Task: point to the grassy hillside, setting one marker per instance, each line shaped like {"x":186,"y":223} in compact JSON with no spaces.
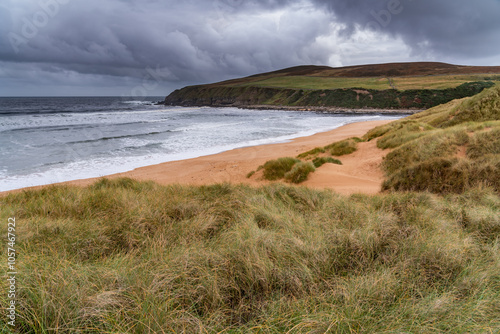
{"x":390,"y":70}
{"x":383,"y":86}
{"x":127,"y":257}
{"x":449,"y":148}
{"x":348,"y":98}
{"x":376,"y":83}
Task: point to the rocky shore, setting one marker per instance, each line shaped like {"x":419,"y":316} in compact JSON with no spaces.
{"x":333,"y":110}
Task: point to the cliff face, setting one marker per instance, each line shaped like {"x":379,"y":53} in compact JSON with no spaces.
{"x":221,"y":96}
{"x":353,"y":98}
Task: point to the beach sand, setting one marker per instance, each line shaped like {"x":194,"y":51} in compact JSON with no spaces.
{"x":360,"y":172}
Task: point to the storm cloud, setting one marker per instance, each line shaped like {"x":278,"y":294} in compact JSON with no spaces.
{"x":446,"y":28}
{"x":150,"y":47}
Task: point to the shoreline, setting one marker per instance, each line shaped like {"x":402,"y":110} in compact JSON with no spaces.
{"x":324,"y":109}
{"x":359,"y":173}
{"x":332,"y":110}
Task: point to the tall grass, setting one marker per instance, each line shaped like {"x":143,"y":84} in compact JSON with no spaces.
{"x":296,"y":171}
{"x":343,"y":147}
{"x":320,"y":161}
{"x":122,"y":256}
{"x":276,"y":169}
{"x":427,"y":146}
{"x":311,"y":153}
{"x":430,"y":145}
{"x":482,"y":107}
{"x":300,"y":172}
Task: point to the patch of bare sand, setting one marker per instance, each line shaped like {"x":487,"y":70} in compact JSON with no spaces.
{"x":360,"y":172}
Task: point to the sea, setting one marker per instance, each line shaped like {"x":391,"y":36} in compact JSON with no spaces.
{"x":45,"y":140}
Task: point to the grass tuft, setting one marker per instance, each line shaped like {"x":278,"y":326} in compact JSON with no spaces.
{"x":300,"y":172}
{"x":276,"y":169}
{"x":320,"y":161}
{"x":312,"y":153}
{"x":343,"y":147}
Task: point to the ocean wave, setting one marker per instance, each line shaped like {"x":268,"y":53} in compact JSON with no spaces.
{"x":12,"y":127}
{"x":122,"y":137}
{"x":76,"y":145}
{"x":140,"y":102}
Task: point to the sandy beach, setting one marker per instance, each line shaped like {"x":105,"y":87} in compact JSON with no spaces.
{"x":359,"y":173}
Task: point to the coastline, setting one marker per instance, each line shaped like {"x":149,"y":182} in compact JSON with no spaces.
{"x":324,"y":109}
{"x":332,"y":110}
{"x":359,"y":173}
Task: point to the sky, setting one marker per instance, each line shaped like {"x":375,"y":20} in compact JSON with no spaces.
{"x":151,"y":47}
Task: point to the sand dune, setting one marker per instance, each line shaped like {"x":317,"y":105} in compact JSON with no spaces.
{"x":359,"y":173}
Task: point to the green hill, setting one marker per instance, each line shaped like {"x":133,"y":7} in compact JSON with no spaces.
{"x":384,"y":86}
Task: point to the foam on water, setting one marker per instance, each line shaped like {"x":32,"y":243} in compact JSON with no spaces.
{"x":67,"y":146}
{"x":106,"y":166}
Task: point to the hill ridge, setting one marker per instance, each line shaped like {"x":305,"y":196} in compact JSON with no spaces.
{"x":411,"y":69}
{"x":389,"y":85}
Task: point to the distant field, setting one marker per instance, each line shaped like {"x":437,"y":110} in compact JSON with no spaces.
{"x":438,"y":82}
{"x":307,"y":82}
{"x":378,"y":83}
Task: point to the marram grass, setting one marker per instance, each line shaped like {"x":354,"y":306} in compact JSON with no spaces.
{"x":300,"y":172}
{"x":276,"y":169}
{"x":123,"y":256}
{"x":446,"y":149}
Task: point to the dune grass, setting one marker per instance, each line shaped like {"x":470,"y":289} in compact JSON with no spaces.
{"x":122,"y":256}
{"x":484,"y":143}
{"x":320,"y":161}
{"x":311,"y":153}
{"x":482,"y":107}
{"x":432,"y":163}
{"x":289,"y":169}
{"x":276,"y":169}
{"x":404,"y":132}
{"x":433,"y":144}
{"x":294,"y":170}
{"x":299,"y":172}
{"x":449,"y":148}
{"x":282,"y":168}
{"x":343,"y":147}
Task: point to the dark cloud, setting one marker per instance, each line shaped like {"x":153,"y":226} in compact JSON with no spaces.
{"x":192,"y":41}
{"x":457,"y":28}
{"x":127,"y":45}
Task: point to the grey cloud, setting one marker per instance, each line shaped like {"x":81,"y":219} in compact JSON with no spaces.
{"x":460,"y":28}
{"x":119,"y":42}
{"x":195,"y":41}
